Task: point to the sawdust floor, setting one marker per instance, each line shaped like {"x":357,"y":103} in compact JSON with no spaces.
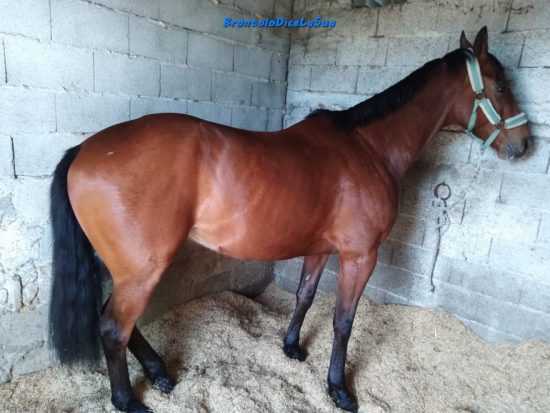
{"x":225,"y":352}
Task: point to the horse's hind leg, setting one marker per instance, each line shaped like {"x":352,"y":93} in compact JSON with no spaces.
{"x":152,"y":363}
{"x":130,"y":296}
{"x":311,"y":273}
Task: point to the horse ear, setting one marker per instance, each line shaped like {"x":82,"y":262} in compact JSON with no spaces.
{"x":481,"y":47}
{"x":464,"y":43}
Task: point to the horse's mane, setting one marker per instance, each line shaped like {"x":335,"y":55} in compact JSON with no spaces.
{"x":392,"y":98}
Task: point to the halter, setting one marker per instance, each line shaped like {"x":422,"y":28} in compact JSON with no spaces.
{"x":481,"y":101}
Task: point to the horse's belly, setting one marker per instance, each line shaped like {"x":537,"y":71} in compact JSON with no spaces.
{"x":258,"y":243}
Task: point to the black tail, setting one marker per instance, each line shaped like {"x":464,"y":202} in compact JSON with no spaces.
{"x":76,"y":288}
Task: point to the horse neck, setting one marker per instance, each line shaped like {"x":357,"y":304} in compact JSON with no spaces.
{"x":401,"y":137}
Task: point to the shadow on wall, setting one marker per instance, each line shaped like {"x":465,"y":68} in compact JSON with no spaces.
{"x":198,"y":271}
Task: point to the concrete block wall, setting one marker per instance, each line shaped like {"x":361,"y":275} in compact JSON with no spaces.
{"x":69,"y":68}
{"x":493,"y":270}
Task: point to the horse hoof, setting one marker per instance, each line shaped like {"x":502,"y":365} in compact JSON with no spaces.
{"x":343,"y":399}
{"x":294,"y":352}
{"x":164,"y":384}
{"x":132,"y":406}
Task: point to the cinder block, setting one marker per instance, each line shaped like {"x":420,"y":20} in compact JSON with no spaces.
{"x":27,"y":17}
{"x":529,"y":15}
{"x":361,"y":20}
{"x":191,"y":14}
{"x":290,"y":285}
{"x":276,"y":40}
{"x":415,"y":51}
{"x":316,"y":51}
{"x":146,"y":106}
{"x":299,"y":77}
{"x":507,"y":47}
{"x":333,"y":78}
{"x":157,"y":40}
{"x":6,"y":159}
{"x":48,"y":65}
{"x":526,"y":84}
{"x":315,"y":100}
{"x":544,"y":229}
{"x":412,"y":258}
{"x":17,"y":115}
{"x":147,"y":8}
{"x":371,"y":80}
{"x":524,"y":190}
{"x":536,"y":51}
{"x":187,"y":83}
{"x":537,"y":113}
{"x":327,"y":282}
{"x":37,"y":155}
{"x":488,"y":333}
{"x":448,"y":148}
{"x":249,"y":118}
{"x":275,"y":120}
{"x":522,"y":257}
{"x":399,"y":282}
{"x":126,"y":75}
{"x":471,"y":16}
{"x":409,"y":19}
{"x":295,"y":114}
{"x":264,"y":7}
{"x":279,"y":67}
{"x":210,"y":53}
{"x":210,"y":111}
{"x":269,"y":94}
{"x":461,"y":242}
{"x":90,"y":113}
{"x":252,"y":61}
{"x":247,"y":35}
{"x":2,"y":61}
{"x":369,"y":51}
{"x":297,"y":50}
{"x":282,"y":8}
{"x":481,"y":278}
{"x":289,"y":268}
{"x":87,"y":25}
{"x":408,"y":229}
{"x":535,"y":294}
{"x":502,"y":221}
{"x":232,"y":88}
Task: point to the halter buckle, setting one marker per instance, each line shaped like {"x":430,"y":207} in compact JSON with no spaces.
{"x":480,"y":95}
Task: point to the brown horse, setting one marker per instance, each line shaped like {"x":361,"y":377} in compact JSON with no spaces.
{"x":329,"y":184}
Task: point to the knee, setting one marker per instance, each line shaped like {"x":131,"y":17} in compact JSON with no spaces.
{"x":112,"y":335}
{"x":306,"y":295}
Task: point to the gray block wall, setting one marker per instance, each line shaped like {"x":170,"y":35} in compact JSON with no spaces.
{"x":69,"y":68}
{"x":493,"y":271}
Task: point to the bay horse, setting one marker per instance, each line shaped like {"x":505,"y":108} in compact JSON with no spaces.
{"x":130,"y":195}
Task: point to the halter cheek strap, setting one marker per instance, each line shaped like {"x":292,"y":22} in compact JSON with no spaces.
{"x":481,"y":101}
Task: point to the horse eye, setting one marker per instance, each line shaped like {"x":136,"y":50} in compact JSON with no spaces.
{"x":501,"y":88}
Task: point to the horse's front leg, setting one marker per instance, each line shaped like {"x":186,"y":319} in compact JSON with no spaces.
{"x":311,"y":273}
{"x":355,"y":271}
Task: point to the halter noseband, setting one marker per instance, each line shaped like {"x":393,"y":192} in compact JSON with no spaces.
{"x":481,"y":101}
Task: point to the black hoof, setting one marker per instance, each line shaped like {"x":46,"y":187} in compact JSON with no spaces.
{"x":132,"y":406}
{"x":164,"y":384}
{"x":294,"y":352}
{"x":343,"y":399}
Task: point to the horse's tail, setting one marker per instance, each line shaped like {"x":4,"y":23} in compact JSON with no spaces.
{"x":76,"y":288}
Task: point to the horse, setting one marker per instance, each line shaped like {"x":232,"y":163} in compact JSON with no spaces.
{"x":128,"y":197}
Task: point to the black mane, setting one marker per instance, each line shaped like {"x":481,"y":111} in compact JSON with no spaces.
{"x":392,"y":98}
